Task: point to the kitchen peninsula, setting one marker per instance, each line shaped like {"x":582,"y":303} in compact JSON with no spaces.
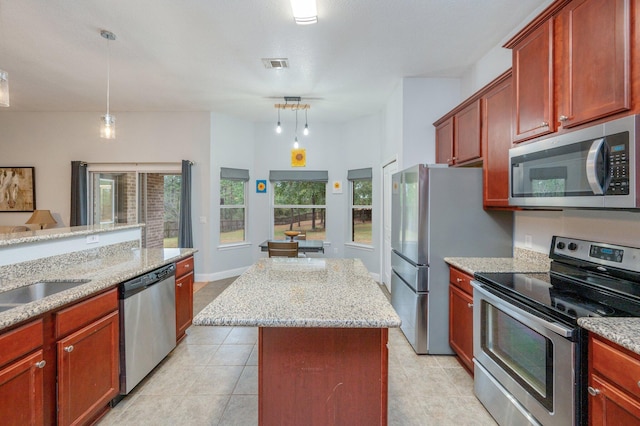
{"x":323,"y":329}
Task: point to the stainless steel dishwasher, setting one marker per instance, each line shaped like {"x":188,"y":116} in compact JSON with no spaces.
{"x":147,"y":324}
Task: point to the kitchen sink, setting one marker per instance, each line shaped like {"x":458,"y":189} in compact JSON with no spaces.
{"x":36,"y":291}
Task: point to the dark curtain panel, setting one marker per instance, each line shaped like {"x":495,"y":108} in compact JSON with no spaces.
{"x":185,"y":235}
{"x":79,"y":194}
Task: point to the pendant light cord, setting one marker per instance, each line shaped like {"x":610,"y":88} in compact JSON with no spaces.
{"x":108,"y":72}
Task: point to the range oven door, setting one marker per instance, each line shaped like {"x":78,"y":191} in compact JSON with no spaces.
{"x":525,"y":362}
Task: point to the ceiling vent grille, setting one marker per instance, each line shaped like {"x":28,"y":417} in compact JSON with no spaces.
{"x":275,"y":63}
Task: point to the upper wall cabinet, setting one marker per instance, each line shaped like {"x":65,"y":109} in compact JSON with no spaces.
{"x":533,"y":74}
{"x":458,"y":135}
{"x":571,"y":65}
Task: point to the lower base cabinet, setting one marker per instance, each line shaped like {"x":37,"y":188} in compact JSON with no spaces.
{"x":614,"y":384}
{"x":22,"y":376}
{"x":461,"y":317}
{"x":184,"y":296}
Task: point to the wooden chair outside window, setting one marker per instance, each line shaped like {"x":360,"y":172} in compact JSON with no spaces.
{"x":282,"y":249}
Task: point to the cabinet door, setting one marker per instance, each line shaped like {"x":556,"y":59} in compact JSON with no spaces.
{"x":496,"y":140}
{"x":184,"y":304}
{"x":593,"y":57}
{"x":533,"y":83}
{"x":609,"y":406}
{"x":88,"y":369}
{"x":21,"y":391}
{"x":444,"y":142}
{"x":466,"y":135}
{"x":461,"y":325}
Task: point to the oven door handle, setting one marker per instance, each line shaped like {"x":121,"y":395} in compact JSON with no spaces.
{"x":520,"y":314}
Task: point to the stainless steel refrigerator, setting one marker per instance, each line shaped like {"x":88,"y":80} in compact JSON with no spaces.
{"x":436,"y":213}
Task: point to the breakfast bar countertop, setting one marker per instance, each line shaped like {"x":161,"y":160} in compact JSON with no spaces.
{"x":302,"y":292}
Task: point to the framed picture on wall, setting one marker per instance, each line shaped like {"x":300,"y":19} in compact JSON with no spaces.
{"x":17,"y":189}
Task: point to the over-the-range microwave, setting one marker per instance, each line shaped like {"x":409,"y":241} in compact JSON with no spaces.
{"x":594,"y":167}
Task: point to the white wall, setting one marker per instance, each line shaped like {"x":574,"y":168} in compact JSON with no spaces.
{"x":50,"y":141}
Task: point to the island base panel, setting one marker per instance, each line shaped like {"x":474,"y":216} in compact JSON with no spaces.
{"x":322,"y":376}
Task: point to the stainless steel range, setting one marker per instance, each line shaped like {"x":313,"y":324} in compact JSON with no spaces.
{"x":530,"y":355}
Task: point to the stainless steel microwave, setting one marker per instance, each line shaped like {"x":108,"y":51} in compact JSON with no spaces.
{"x":594,"y":167}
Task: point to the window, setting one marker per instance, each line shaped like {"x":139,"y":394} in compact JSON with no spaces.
{"x":299,"y":203}
{"x":233,"y":209}
{"x":361,"y":194}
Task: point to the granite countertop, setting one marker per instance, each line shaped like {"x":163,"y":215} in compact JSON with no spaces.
{"x":58,"y":233}
{"x":104,"y":267}
{"x":471,"y":265}
{"x":302,"y":292}
{"x":623,"y":331}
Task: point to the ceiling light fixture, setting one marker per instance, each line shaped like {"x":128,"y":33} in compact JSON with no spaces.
{"x":108,"y":121}
{"x":295,"y":105}
{"x":305,"y":12}
{"x":4,"y":88}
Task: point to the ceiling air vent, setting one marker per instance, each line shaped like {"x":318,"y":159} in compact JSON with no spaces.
{"x":275,"y":63}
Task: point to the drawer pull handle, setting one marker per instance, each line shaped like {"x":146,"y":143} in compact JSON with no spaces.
{"x":187,"y":265}
{"x":593,"y":391}
{"x":459,"y":280}
{"x":469,"y":305}
{"x":639,"y":383}
{"x":41,"y":364}
{"x":69,"y":348}
{"x":179,"y":284}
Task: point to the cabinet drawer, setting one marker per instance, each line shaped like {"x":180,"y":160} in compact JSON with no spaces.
{"x":21,"y":341}
{"x":83,"y":313}
{"x":617,"y":365}
{"x":184,"y":266}
{"x":461,"y":280}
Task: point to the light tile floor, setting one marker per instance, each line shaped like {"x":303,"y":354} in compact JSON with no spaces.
{"x":211,"y":378}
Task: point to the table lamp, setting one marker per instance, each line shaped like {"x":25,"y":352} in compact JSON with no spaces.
{"x":42,"y":218}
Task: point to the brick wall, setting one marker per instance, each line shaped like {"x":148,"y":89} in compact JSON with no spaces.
{"x":155,"y":211}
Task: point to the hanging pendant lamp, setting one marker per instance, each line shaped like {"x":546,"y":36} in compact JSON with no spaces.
{"x":4,"y":88}
{"x":108,"y":121}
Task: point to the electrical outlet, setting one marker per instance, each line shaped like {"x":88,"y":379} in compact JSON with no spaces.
{"x":528,"y":241}
{"x":92,"y":239}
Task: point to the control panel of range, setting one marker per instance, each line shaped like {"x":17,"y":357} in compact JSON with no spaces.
{"x":603,"y":253}
{"x":618,"y":145}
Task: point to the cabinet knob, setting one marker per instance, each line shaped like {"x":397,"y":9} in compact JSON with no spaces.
{"x":563,"y":118}
{"x":41,"y":364}
{"x":593,"y":391}
{"x":179,"y":284}
{"x":469,"y":305}
{"x":459,"y":280}
{"x":69,"y":348}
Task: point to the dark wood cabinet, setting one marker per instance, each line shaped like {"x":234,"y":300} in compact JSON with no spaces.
{"x":593,"y":60}
{"x":533,"y":83}
{"x":497,"y":133}
{"x":88,"y":356}
{"x":184,"y":296}
{"x":461,"y":317}
{"x":22,"y":375}
{"x":573,"y":64}
{"x":614,"y":384}
{"x":467,"y":145}
{"x":444,"y":142}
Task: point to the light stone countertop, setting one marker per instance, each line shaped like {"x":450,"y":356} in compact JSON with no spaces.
{"x":302,"y":292}
{"x":471,"y":265}
{"x":105,"y":267}
{"x":623,"y":331}
{"x":58,"y":233}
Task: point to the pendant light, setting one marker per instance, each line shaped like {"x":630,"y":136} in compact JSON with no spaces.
{"x":4,"y":88}
{"x":278,"y":128}
{"x":306,"y":125}
{"x":108,"y":121}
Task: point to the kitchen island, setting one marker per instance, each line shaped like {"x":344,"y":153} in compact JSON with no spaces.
{"x":323,"y":329}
